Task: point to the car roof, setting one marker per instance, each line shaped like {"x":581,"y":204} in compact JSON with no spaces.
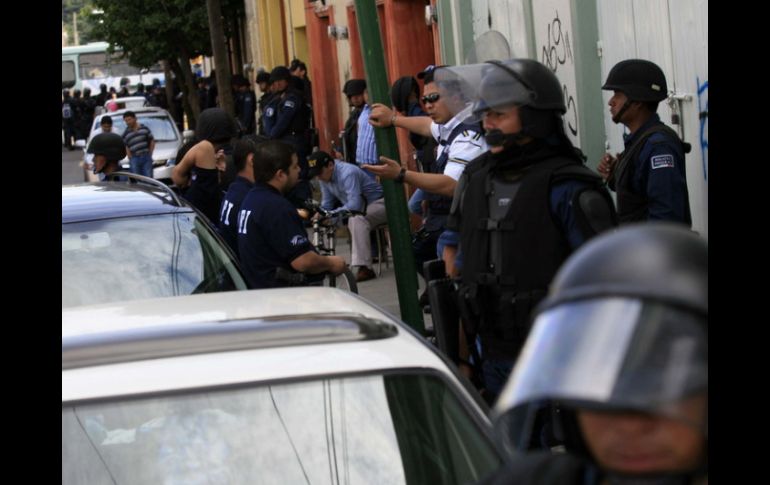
{"x":167,"y":344}
{"x":109,"y":200}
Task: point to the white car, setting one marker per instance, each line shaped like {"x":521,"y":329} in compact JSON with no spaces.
{"x":297,"y":385}
{"x":167,"y":140}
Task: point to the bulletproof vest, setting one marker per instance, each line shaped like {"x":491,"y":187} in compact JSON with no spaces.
{"x":633,"y":207}
{"x":512,"y":248}
{"x":301,"y":121}
{"x":439,"y":205}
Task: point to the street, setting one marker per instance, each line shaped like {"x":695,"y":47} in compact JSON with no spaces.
{"x":71,"y":172}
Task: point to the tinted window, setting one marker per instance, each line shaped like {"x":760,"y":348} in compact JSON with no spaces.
{"x":395,"y":429}
{"x":143,"y":257}
{"x":67,"y":74}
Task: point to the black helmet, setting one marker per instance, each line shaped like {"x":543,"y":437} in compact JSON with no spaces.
{"x":263,"y":77}
{"x":215,"y":125}
{"x":638,"y":79}
{"x":523,"y":82}
{"x":623,"y":328}
{"x":108,"y":144}
{"x":280,"y":73}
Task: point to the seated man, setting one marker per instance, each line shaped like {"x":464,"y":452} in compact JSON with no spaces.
{"x":271,"y":236}
{"x":350,"y":186}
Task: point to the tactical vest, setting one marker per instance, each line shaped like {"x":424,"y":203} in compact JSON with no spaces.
{"x":439,"y":205}
{"x":499,"y":292}
{"x":633,"y":207}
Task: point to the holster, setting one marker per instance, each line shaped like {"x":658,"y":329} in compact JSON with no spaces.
{"x":446,"y":323}
{"x":289,"y":278}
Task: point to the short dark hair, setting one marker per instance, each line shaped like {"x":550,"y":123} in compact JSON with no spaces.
{"x":106,"y":120}
{"x":270,"y":157}
{"x":129,"y":113}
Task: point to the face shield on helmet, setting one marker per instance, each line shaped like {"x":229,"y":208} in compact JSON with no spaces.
{"x":615,"y":354}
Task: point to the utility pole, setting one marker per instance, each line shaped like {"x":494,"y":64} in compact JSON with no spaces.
{"x":221,"y":60}
{"x":387,"y":145}
{"x":75,"y":28}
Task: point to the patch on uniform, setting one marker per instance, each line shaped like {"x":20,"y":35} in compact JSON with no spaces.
{"x":661,"y":161}
{"x":289,"y":104}
{"x":298,"y":240}
{"x":269,"y":112}
{"x":504,"y":202}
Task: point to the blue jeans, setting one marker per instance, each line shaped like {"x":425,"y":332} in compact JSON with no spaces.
{"x":141,"y":165}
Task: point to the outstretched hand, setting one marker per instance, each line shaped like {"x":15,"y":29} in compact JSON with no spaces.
{"x":381,"y":116}
{"x":388,"y":168}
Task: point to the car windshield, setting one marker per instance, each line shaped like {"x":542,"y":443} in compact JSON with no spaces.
{"x":395,"y":429}
{"x":143,"y":257}
{"x":161,"y":126}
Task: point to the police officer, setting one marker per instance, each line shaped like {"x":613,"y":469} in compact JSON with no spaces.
{"x":620,"y":350}
{"x":68,"y":119}
{"x":272,"y":241}
{"x":245,"y":105}
{"x":354,"y":90}
{"x":287,"y":119}
{"x":649,"y":176}
{"x":521,"y":208}
{"x":263,"y":81}
{"x":108,"y":149}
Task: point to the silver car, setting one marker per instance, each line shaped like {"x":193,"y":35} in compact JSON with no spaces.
{"x":167,"y":140}
{"x":295,"y":385}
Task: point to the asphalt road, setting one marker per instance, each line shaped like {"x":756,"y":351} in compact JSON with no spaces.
{"x":71,"y":172}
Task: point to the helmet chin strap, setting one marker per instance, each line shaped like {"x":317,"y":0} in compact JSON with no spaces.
{"x":626,"y":105}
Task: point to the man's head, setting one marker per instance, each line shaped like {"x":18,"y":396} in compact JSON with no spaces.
{"x":279,"y":77}
{"x":638,"y":87}
{"x":103,"y":88}
{"x":240,"y":83}
{"x":263,"y":81}
{"x":354,"y":89}
{"x":275,"y":163}
{"x":130,"y":118}
{"x":244,"y":153}
{"x":320,"y":164}
{"x":86,"y":93}
{"x":404,"y":92}
{"x":106,"y":123}
{"x":298,"y":68}
{"x":620,"y":347}
{"x":108,"y":149}
{"x":441,"y":100}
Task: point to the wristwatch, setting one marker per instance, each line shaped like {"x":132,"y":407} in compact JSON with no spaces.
{"x":400,"y":177}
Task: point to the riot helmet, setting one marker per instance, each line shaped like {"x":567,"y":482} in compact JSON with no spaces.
{"x":638,"y":79}
{"x":624,"y":329}
{"x":108,"y":144}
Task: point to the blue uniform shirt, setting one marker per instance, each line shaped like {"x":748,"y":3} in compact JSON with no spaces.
{"x":270,"y":234}
{"x":659,"y":173}
{"x":286,"y":108}
{"x":351,"y":186}
{"x":231,"y":206}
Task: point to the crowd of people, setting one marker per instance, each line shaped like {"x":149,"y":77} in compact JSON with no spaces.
{"x":527,"y":233}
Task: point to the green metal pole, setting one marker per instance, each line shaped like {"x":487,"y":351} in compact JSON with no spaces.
{"x":395,"y":201}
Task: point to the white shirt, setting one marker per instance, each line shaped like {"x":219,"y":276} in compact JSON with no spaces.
{"x":465,"y":147}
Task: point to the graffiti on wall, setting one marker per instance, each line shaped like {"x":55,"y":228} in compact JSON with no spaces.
{"x":557,"y":53}
{"x":703,"y":116}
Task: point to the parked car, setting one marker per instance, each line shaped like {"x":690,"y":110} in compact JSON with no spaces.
{"x":295,"y":385}
{"x":127,"y":102}
{"x":127,"y":241}
{"x":164,"y":130}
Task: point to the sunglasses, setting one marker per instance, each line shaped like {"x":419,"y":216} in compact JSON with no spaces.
{"x":431,"y":98}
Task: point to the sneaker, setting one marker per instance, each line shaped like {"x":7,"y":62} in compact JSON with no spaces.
{"x":365,"y":274}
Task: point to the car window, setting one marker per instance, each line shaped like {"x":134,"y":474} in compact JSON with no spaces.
{"x":161,"y":126}
{"x":143,"y":257}
{"x":395,"y":429}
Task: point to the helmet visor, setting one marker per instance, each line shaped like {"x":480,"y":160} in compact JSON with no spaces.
{"x":612,"y":354}
{"x":485,"y":86}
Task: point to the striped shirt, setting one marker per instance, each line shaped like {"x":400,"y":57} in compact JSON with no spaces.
{"x":138,"y":141}
{"x":366,"y":146}
{"x":466,"y":146}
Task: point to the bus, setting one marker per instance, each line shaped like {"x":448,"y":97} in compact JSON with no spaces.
{"x":88,"y":66}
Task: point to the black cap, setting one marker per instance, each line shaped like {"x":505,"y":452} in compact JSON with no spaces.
{"x":316,"y":161}
{"x":354,"y":87}
{"x":280,"y":73}
{"x":428,"y":72}
{"x":263,"y":77}
{"x":239,"y":80}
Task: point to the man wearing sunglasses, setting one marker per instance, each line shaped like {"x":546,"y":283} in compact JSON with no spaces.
{"x":458,"y":144}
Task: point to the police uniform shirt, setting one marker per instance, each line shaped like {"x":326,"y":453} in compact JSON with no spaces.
{"x":466,"y":146}
{"x":349,"y":185}
{"x":270,"y":234}
{"x":228,"y":213}
{"x":270,"y":115}
{"x":286,"y":108}
{"x":659,"y":173}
